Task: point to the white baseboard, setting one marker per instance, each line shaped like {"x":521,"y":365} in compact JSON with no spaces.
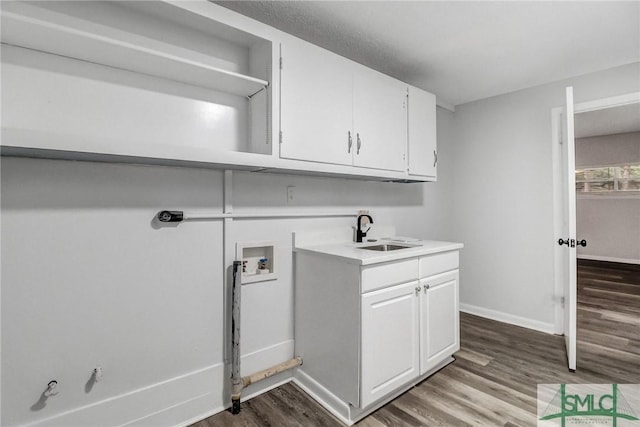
{"x":324,"y":397}
{"x":250,"y":363}
{"x":508,"y":318}
{"x":174,"y":398}
{"x":609,"y":259}
{"x":178,"y":401}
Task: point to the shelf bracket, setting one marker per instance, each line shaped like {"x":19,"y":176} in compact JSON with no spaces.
{"x":257,"y":92}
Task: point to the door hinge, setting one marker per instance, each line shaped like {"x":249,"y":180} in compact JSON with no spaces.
{"x":281,"y":62}
{"x":280,"y":137}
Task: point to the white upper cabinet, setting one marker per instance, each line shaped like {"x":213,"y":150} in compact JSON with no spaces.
{"x":194,"y":84}
{"x":423,"y":154}
{"x":316,"y":101}
{"x":379,"y":120}
{"x":333,"y":110}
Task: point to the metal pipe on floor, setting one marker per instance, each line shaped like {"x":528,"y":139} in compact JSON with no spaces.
{"x":237,"y":382}
{"x":269,"y":372}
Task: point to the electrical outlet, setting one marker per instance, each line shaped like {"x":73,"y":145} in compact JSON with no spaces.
{"x":291,"y":194}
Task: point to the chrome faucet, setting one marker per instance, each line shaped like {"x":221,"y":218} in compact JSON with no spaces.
{"x":359,"y":233}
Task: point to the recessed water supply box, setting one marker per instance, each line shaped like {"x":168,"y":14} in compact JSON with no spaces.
{"x":258,"y":263}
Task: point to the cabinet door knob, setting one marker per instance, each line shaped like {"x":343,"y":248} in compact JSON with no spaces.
{"x":350,"y":143}
{"x":417,"y":290}
{"x":425,"y":288}
{"x":359,"y":143}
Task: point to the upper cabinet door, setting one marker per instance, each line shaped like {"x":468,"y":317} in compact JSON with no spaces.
{"x":380,"y":120}
{"x":316,"y":104}
{"x":423,"y":154}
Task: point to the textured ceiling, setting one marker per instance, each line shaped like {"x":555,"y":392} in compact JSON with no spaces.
{"x":465,"y":51}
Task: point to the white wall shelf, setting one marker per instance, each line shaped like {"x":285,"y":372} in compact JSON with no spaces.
{"x":154,"y":82}
{"x":72,"y":37}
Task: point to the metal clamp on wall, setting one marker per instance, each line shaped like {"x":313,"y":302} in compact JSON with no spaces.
{"x":170,"y":216}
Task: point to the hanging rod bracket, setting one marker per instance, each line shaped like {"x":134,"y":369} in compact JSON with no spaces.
{"x":170,"y":216}
{"x":257,"y":92}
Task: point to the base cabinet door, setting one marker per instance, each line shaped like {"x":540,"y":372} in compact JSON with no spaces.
{"x":390,"y":340}
{"x":439,"y":319}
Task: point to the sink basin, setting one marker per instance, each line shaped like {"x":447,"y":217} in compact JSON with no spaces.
{"x":386,"y":247}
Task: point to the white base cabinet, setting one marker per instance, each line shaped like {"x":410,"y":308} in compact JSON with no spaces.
{"x":366,"y":333}
{"x":390,"y":340}
{"x":439,"y":319}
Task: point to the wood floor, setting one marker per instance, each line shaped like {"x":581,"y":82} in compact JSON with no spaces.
{"x":493,"y":381}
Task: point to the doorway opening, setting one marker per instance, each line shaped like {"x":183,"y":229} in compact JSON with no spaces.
{"x":607,"y":148}
{"x":604,"y":171}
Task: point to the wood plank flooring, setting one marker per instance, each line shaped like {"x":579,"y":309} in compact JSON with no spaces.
{"x":493,"y":381}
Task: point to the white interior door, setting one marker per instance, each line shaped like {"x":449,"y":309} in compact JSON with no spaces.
{"x":568,"y":233}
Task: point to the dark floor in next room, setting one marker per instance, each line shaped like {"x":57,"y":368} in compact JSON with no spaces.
{"x":493,"y":381}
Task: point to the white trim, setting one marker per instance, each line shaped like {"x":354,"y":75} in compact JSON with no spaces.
{"x":614,"y":101}
{"x":270,"y":355}
{"x":324,"y":397}
{"x":445,"y":105}
{"x":556,"y":152}
{"x":610,"y":259}
{"x":609,"y":195}
{"x":198,"y":387}
{"x":201,"y":417}
{"x":347,"y":413}
{"x":512,"y":319}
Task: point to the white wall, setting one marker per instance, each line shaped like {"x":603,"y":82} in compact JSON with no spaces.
{"x":606,"y":150}
{"x":610,"y":223}
{"x":88,"y":279}
{"x":611,"y":227}
{"x":503,"y":195}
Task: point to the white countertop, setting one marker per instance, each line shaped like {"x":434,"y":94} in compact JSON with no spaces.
{"x":352,"y":253}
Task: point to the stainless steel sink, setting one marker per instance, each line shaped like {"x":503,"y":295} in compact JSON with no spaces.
{"x":385,"y":247}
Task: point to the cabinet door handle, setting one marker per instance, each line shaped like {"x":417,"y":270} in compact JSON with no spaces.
{"x":435,"y":158}
{"x":426,"y":287}
{"x":417,"y":290}
{"x":350,"y":143}
{"x":359,"y":143}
